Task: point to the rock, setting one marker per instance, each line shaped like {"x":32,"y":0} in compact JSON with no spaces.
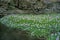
{"x":2,"y":10}
{"x":8,"y":33}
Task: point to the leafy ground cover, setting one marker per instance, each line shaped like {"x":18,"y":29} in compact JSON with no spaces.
{"x":37,"y":25}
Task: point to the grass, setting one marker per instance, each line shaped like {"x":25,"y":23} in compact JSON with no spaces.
{"x":37,"y":25}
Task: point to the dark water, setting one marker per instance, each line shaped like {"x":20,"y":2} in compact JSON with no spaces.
{"x":1,"y":16}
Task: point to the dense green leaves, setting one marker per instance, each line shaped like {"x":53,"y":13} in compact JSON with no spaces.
{"x":37,"y":25}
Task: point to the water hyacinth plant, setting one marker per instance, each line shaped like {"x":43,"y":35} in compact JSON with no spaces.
{"x":37,"y":25}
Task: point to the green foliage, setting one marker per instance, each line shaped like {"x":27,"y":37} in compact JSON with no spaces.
{"x":37,"y":25}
